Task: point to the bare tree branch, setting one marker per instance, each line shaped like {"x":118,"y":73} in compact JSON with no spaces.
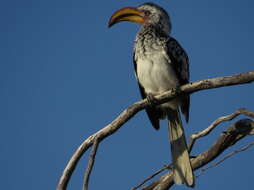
{"x":204,"y":133}
{"x":214,"y":124}
{"x":228,"y":138}
{"x":203,"y":170}
{"x":245,"y":147}
{"x":90,"y":164}
{"x":136,"y":107}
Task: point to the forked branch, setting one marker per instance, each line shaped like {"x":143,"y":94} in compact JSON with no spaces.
{"x":127,"y":114}
{"x":228,"y":138}
{"x":214,"y":124}
{"x":204,"y":133}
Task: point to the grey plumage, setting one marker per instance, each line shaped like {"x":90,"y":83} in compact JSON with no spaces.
{"x":161,"y":64}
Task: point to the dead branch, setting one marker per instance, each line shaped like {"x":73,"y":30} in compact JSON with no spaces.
{"x":228,"y":138}
{"x":245,"y":147}
{"x":204,"y":133}
{"x":214,"y":124}
{"x":201,"y":134}
{"x":90,"y":164}
{"x":128,"y":113}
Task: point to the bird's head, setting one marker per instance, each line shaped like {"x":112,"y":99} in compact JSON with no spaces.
{"x":145,"y":14}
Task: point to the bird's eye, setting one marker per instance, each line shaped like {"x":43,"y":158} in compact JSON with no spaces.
{"x":147,"y":13}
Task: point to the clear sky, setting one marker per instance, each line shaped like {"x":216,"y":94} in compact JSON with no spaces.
{"x":64,"y":75}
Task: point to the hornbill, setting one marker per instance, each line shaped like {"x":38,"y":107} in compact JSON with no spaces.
{"x":161,"y":64}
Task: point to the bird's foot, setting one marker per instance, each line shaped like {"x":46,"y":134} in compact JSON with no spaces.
{"x":169,"y":167}
{"x":151,"y":99}
{"x":176,"y":90}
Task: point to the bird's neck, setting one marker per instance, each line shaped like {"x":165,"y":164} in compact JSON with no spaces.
{"x":152,"y":29}
{"x":151,"y":34}
{"x":149,"y":39}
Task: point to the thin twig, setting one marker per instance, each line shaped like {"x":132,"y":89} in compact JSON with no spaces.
{"x":90,"y":164}
{"x":152,"y":176}
{"x":214,"y":124}
{"x":203,"y":170}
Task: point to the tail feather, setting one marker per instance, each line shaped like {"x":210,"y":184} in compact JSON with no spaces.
{"x":182,"y":169}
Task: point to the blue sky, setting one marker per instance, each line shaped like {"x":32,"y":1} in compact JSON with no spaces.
{"x":64,"y":75}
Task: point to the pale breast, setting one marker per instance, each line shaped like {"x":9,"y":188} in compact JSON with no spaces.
{"x":155,"y":73}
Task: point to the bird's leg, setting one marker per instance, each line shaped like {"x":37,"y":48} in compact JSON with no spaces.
{"x":151,"y":99}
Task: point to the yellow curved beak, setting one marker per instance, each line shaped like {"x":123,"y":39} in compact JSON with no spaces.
{"x":131,"y":14}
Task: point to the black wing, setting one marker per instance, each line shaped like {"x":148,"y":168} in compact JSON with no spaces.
{"x":153,"y":113}
{"x":180,"y":63}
